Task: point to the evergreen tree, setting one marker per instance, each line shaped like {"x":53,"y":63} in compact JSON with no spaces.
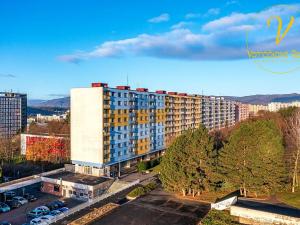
{"x":253,"y":158}
{"x":186,"y":166}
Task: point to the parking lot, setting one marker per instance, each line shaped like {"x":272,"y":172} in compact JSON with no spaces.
{"x":157,"y":207}
{"x":18,"y":216}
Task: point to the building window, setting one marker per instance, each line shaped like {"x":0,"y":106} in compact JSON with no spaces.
{"x":56,"y":188}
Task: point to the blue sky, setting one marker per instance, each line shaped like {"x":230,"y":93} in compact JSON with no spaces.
{"x":48,"y":47}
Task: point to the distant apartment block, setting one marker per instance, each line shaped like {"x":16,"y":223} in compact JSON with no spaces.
{"x":48,"y":148}
{"x":217,"y":112}
{"x":47,"y":118}
{"x":241,"y":111}
{"x":275,"y":106}
{"x":114,"y":126}
{"x":254,"y":109}
{"x":13,"y":113}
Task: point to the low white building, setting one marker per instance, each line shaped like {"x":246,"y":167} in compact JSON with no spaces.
{"x":275,"y":106}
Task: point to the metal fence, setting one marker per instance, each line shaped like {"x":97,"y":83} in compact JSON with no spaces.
{"x":93,"y":201}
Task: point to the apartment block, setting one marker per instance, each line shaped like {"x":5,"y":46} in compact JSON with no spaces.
{"x":254,"y":109}
{"x":217,"y":112}
{"x":115,"y":127}
{"x":275,"y":106}
{"x":241,"y":111}
{"x":183,"y":112}
{"x":13,"y":113}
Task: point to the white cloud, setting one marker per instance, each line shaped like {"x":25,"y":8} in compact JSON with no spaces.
{"x":212,"y":12}
{"x":181,"y":25}
{"x":232,"y":2}
{"x":161,"y":18}
{"x":221,"y":39}
{"x":193,"y":15}
{"x":244,"y":19}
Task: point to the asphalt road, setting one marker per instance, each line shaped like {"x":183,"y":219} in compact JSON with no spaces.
{"x":18,"y":216}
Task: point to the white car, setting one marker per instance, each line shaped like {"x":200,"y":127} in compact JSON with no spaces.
{"x":47,"y":219}
{"x":20,"y":199}
{"x":38,"y":212}
{"x":37,"y":221}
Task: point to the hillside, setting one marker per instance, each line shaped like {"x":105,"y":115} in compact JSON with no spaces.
{"x":53,"y":103}
{"x":265,"y":99}
{"x":251,"y":99}
{"x":47,"y":111}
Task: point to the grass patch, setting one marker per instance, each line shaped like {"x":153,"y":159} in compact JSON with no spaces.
{"x":140,"y":191}
{"x":137,"y":192}
{"x":215,"y":217}
{"x":289,"y":198}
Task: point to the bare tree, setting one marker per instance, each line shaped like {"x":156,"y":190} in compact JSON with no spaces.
{"x":292,"y":139}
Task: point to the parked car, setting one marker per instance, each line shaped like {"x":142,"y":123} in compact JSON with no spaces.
{"x":60,"y":203}
{"x":63,"y":209}
{"x":13,"y":204}
{"x":5,"y":223}
{"x":47,"y":219}
{"x":53,"y":206}
{"x":30,"y":197}
{"x":56,"y":205}
{"x":20,"y":199}
{"x":4,"y":207}
{"x":39,"y":211}
{"x":37,"y":221}
{"x":9,"y":195}
{"x":55,"y":213}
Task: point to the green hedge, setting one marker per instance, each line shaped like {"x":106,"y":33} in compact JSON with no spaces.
{"x":215,"y":217}
{"x":139,"y":191}
{"x":145,"y":165}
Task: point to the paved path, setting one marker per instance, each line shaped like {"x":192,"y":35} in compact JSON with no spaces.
{"x":267,"y":207}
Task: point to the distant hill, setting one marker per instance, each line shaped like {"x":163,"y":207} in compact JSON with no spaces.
{"x":53,"y":103}
{"x":46,"y":111}
{"x":265,"y":99}
{"x":64,"y":103}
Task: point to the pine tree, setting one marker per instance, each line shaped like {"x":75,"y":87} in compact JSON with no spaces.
{"x":186,"y":166}
{"x":253,"y":158}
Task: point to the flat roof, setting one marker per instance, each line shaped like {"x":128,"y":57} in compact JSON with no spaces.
{"x":78,"y":178}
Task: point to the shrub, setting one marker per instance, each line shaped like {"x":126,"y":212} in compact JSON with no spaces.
{"x":150,"y":186}
{"x":215,"y":217}
{"x":142,"y":166}
{"x":137,"y":192}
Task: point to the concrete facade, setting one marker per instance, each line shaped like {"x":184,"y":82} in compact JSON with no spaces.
{"x":114,"y":127}
{"x":13,"y":113}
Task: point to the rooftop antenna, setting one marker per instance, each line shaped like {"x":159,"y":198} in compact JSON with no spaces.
{"x":127,"y":79}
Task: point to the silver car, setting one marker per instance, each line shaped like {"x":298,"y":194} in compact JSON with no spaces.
{"x":20,"y":200}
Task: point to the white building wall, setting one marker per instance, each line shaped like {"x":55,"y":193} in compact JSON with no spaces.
{"x":87,"y":125}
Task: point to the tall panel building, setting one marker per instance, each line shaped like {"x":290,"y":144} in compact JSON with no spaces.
{"x":13,"y":113}
{"x":113,"y":127}
{"x":183,"y":112}
{"x":217,"y":112}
